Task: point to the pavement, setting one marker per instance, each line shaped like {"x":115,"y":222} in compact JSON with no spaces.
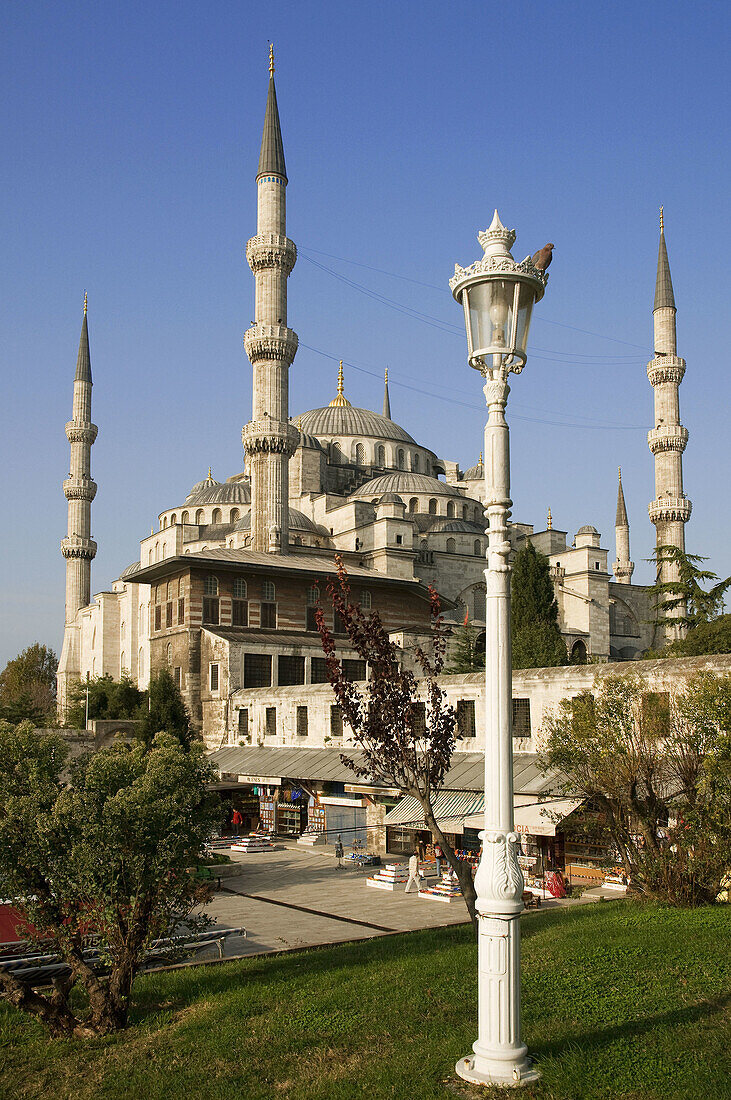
{"x":295,"y":897}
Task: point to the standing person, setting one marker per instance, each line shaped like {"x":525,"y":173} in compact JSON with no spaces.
{"x":438,"y":856}
{"x":237,"y":821}
{"x":339,"y":850}
{"x":413,"y":872}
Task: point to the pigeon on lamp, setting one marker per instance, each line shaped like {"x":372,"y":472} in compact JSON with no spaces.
{"x":543,"y":257}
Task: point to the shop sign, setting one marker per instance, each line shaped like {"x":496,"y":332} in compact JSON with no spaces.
{"x":262,"y":780}
{"x":340,"y":800}
{"x":537,"y":828}
{"x":357,"y":788}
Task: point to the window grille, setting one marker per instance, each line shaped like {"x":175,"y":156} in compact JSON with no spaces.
{"x":521,"y":717}
{"x":466,"y":717}
{"x":210,"y":586}
{"x":213,"y":681}
{"x":257,"y":670}
{"x":302,"y":722}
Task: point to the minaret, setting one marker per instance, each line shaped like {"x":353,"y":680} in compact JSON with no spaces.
{"x":670,"y":510}
{"x":622,"y":568}
{"x":78,"y":547}
{"x":269,"y":439}
{"x":386,"y":399}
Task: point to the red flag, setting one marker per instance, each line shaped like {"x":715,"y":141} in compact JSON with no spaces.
{"x":466,"y":618}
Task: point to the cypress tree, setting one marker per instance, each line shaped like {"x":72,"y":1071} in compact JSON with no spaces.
{"x":537,"y":641}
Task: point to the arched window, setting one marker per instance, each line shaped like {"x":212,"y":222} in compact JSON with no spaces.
{"x":336,"y":455}
{"x":181,"y":586}
{"x":415,"y":463}
{"x":164,"y":550}
{"x":149,"y":556}
{"x":365,"y":599}
{"x":169,"y":593}
{"x":432,"y":507}
{"x":401,"y":459}
{"x":414,"y":505}
{"x":170,"y":655}
{"x":199,"y":516}
{"x":173,"y":519}
{"x":464,"y":511}
{"x":140,"y":663}
{"x":359,"y":454}
{"x":268,"y":591}
{"x":122,"y":664}
{"x":240,"y":588}
{"x":235,"y":514}
{"x":313,"y":595}
{"x":477,"y":548}
{"x":450,"y":510}
{"x":157,"y":551}
{"x":578,"y":653}
{"x":216,"y":517}
{"x":451,"y":546}
{"x":480,"y":603}
{"x":210,"y":586}
{"x":164,"y":523}
{"x":184,"y":518}
{"x":380,"y":455}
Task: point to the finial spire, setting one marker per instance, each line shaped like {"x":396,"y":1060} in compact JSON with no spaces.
{"x":86,"y":303}
{"x":664,"y":296}
{"x":662,"y":221}
{"x":340,"y":400}
{"x":271,"y":59}
{"x":549,"y":521}
{"x":621,"y":518}
{"x":386,"y":398}
{"x":210,"y":475}
{"x":271,"y":157}
{"x":340,"y":378}
{"x":480,"y":463}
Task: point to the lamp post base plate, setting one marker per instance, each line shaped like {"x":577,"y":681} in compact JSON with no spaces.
{"x":527,"y":1074}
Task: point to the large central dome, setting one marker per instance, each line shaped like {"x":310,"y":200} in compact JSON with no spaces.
{"x":345,"y":420}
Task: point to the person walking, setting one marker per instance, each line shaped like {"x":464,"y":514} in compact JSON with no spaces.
{"x":413,"y":873}
{"x":237,"y":821}
{"x":339,"y":850}
{"x":438,"y":856}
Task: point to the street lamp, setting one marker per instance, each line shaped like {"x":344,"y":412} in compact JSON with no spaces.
{"x":498,"y":295}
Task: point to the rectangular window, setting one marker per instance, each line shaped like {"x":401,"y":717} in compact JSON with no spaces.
{"x":302,"y":721}
{"x":239,"y":613}
{"x":312,"y":618}
{"x":269,"y":616}
{"x":418,"y":719}
{"x":178,"y":676}
{"x":291,"y":671}
{"x":271,"y":722}
{"x":213,"y":677}
{"x":210,"y":611}
{"x":158,"y":617}
{"x":181,"y":611}
{"x":338,"y":624}
{"x":521,"y":717}
{"x":257,"y":670}
{"x":318,"y":673}
{"x":169,"y":613}
{"x":244,"y":722}
{"x":466,"y":718}
{"x":336,"y":722}
{"x":354,"y":670}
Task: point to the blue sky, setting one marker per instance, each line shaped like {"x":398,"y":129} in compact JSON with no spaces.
{"x":130,"y":141}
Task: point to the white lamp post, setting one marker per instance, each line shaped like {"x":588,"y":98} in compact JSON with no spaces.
{"x":498,"y":295}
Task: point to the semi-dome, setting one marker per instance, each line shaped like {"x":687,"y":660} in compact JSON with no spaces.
{"x":346,"y":420}
{"x":298,"y":521}
{"x":405,"y":482}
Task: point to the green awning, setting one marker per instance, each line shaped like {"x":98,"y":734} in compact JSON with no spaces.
{"x":450,"y":807}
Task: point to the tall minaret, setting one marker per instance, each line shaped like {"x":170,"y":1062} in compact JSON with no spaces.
{"x":269,"y":439}
{"x":670,"y":510}
{"x":78,"y":547}
{"x":622,"y":568}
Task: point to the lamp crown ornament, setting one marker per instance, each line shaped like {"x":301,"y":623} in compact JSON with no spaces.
{"x":497,"y":240}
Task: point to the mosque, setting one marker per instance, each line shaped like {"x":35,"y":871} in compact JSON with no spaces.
{"x":224,"y":592}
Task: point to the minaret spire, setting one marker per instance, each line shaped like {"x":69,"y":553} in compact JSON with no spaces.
{"x":622,"y":568}
{"x":269,"y":439}
{"x":670,"y":510}
{"x":386,"y":399}
{"x":340,"y":401}
{"x":78,"y":548}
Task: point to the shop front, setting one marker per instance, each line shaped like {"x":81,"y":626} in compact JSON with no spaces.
{"x":407,"y":831}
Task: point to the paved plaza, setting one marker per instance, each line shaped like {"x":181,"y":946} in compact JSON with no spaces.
{"x":295,"y":897}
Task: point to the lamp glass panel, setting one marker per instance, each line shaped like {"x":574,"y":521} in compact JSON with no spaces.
{"x":526,"y":298}
{"x":490,"y":314}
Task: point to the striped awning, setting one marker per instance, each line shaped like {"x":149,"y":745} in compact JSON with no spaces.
{"x":450,"y":808}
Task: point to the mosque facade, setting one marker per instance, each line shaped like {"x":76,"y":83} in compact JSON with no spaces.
{"x":224,"y":592}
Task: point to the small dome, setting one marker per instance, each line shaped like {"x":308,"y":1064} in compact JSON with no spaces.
{"x":213,"y":492}
{"x":475,"y":473}
{"x":391,"y":498}
{"x":404,"y":483}
{"x":307,"y":440}
{"x":298,"y":521}
{"x":346,"y":420}
{"x":130,"y":570}
{"x":587,"y":530}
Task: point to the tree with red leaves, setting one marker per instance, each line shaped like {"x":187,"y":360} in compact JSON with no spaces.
{"x":398,"y":747}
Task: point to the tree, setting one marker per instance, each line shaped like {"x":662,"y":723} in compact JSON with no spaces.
{"x":537,"y":640}
{"x":685,"y":601}
{"x":99,"y":859}
{"x":465,"y":654}
{"x":108,"y":699}
{"x":659,"y":772}
{"x":28,"y":686}
{"x":166,"y":711}
{"x":401,"y":744}
{"x":712,"y":637}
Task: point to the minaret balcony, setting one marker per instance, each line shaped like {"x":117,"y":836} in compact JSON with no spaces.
{"x":79,"y":488}
{"x":74,"y":546}
{"x":275,"y":342}
{"x":269,"y":436}
{"x":665,"y":368}
{"x":271,"y":250}
{"x":623,"y":571}
{"x":668,"y":437}
{"x":81,"y":431}
{"x":670,"y":510}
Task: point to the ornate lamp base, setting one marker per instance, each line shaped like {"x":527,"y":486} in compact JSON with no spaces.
{"x":524,"y":1074}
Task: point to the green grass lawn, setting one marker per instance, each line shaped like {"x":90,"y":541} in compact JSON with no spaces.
{"x":619,"y":1000}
